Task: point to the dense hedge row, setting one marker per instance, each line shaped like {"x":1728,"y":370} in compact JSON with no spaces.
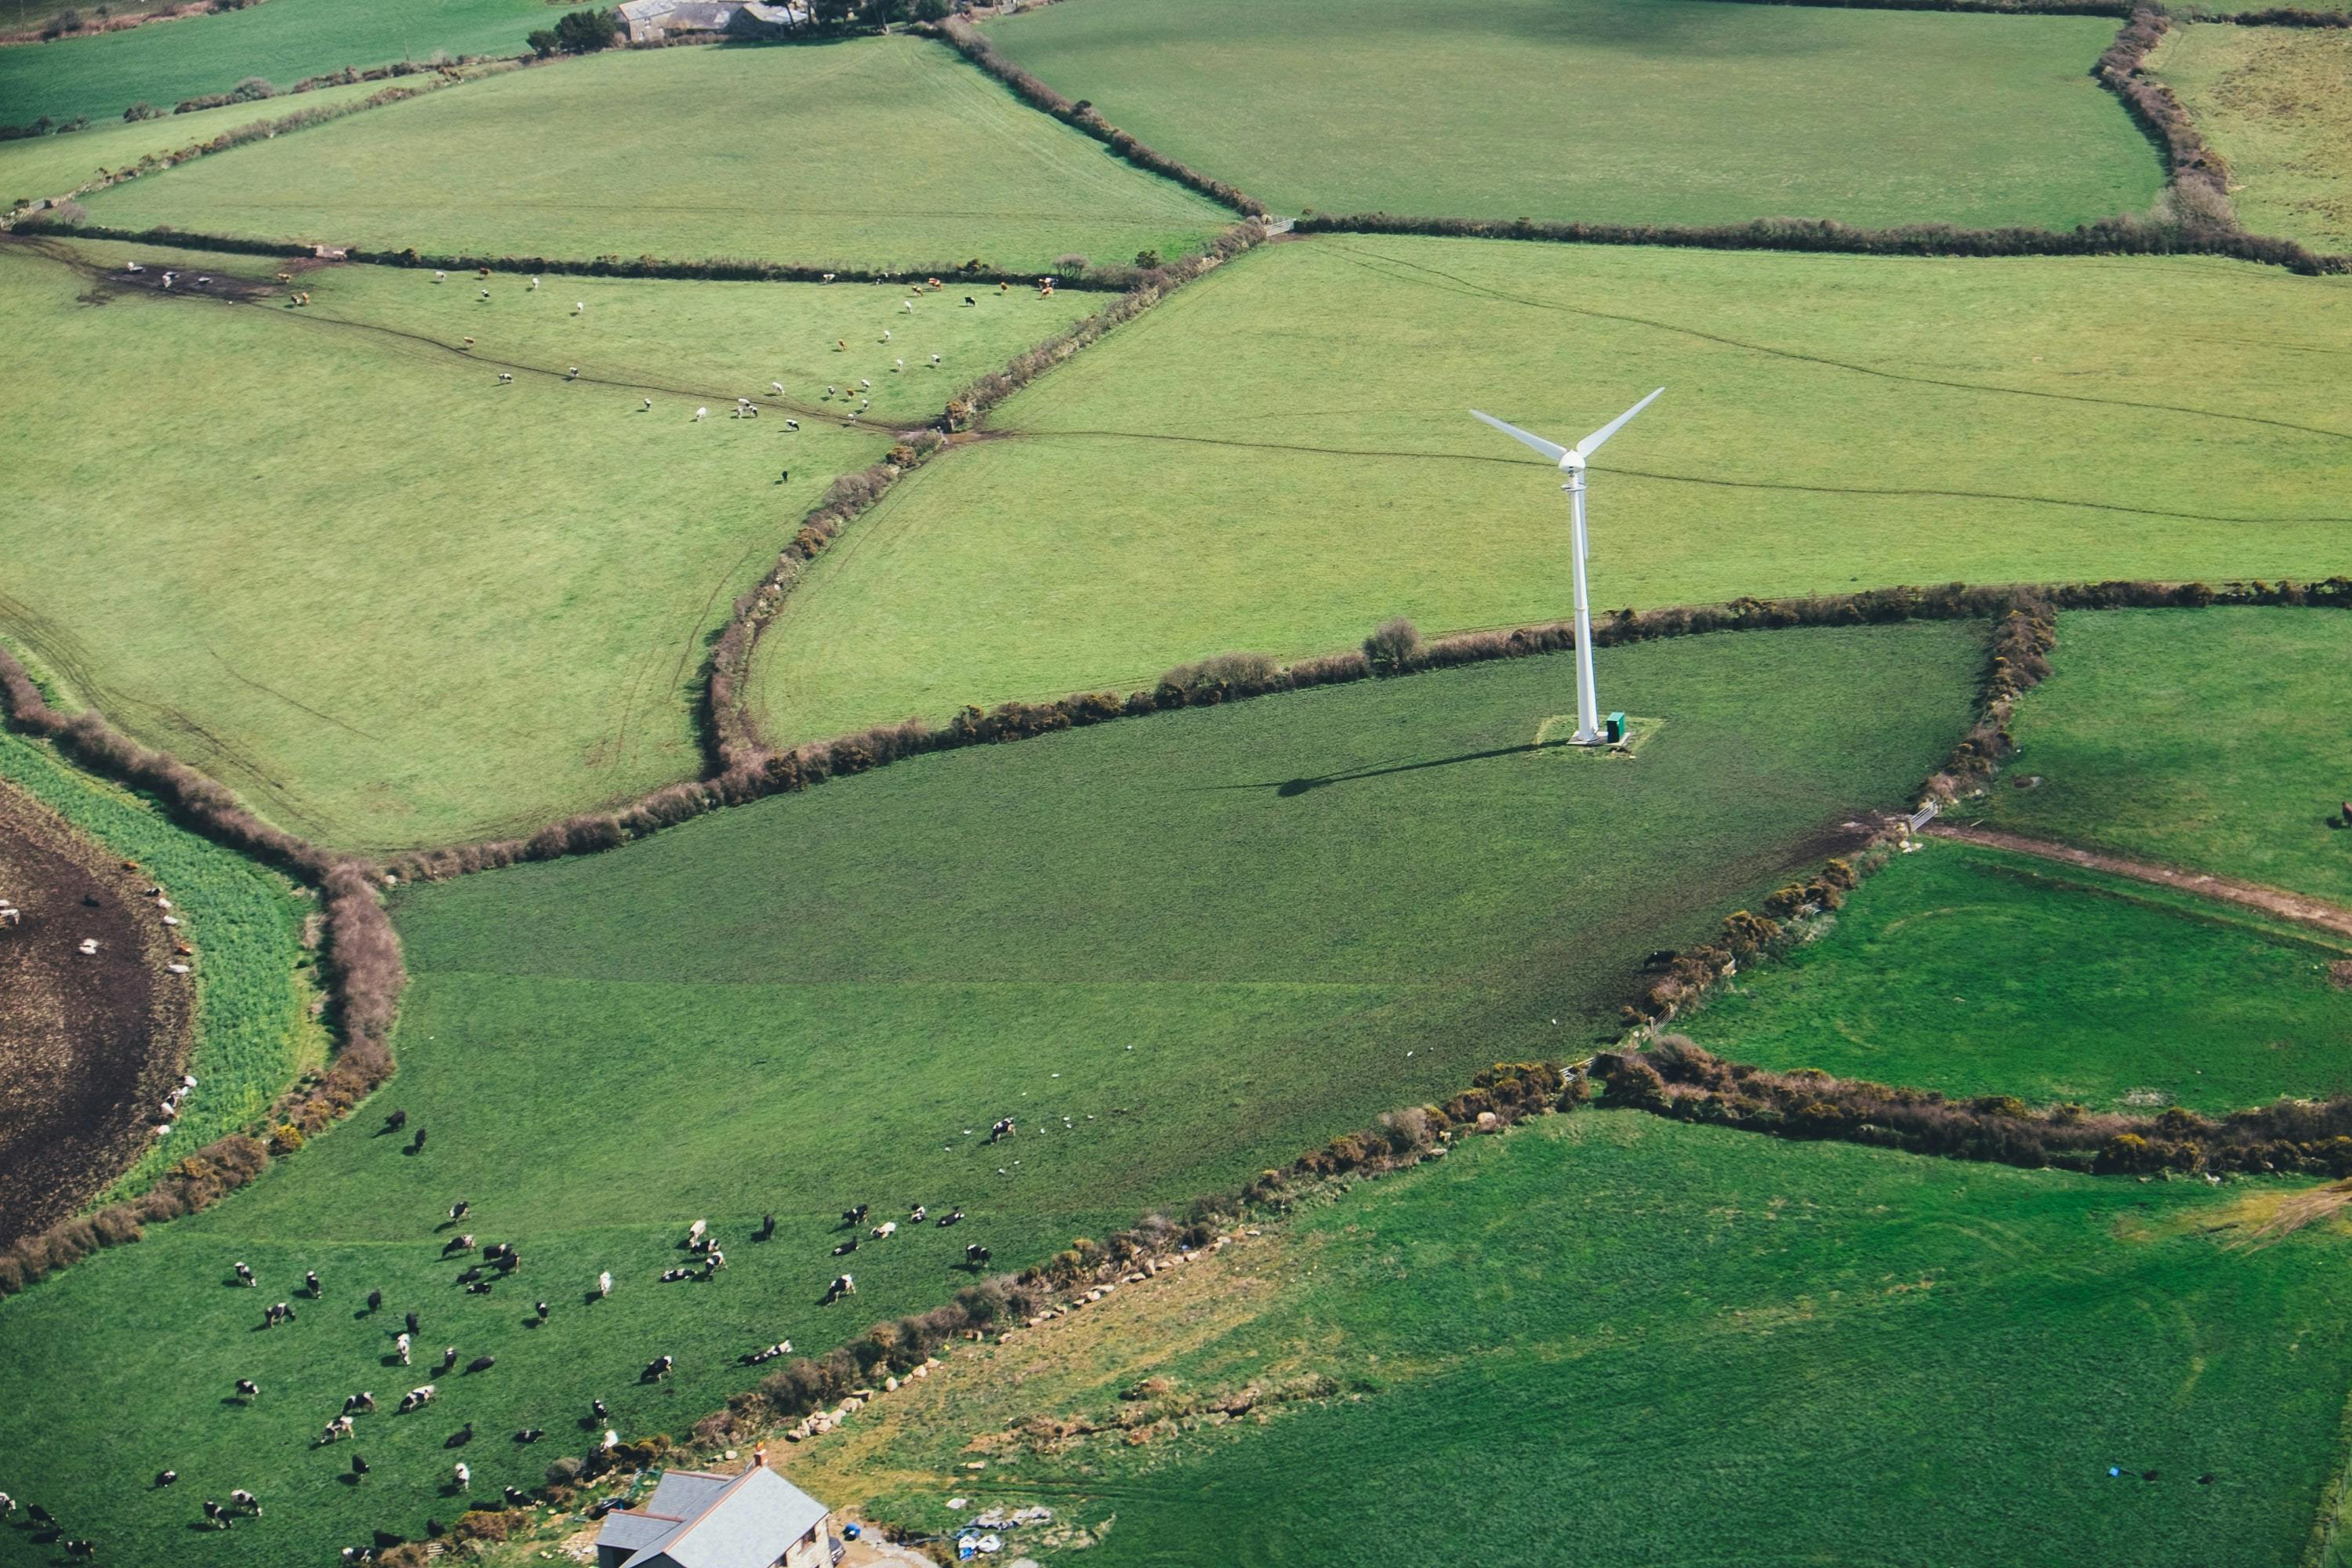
{"x":2109,"y":237}
{"x":194,"y":1183}
{"x":968,"y":43}
{"x":2187,"y":160}
{"x":1676,"y":1078}
{"x":1394,"y":649}
{"x":363,"y":973}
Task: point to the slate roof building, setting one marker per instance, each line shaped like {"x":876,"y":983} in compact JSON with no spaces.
{"x":697,"y":1520}
{"x":650,"y":21}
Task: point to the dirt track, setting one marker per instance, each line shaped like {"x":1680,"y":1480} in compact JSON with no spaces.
{"x":2275,"y":901}
{"x":89,"y":1046}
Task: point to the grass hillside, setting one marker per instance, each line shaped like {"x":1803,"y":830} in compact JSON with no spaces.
{"x":874,"y":153}
{"x":2270,"y":101}
{"x":282,"y":41}
{"x":323,"y":554}
{"x":1610,"y":1340}
{"x":2211,"y":739}
{"x":1175,"y":949}
{"x":1610,"y":110}
{"x":54,"y":166}
{"x":1972,"y":972}
{"x":1830,"y":423}
{"x":253,"y":1029}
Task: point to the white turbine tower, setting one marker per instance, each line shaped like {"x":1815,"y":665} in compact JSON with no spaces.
{"x":1571,"y":461}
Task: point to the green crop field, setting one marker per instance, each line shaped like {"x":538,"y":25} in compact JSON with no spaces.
{"x":1175,"y":949}
{"x":1973,"y":971}
{"x":253,"y":1029}
{"x":879,"y":152}
{"x":323,"y":554}
{"x":2270,"y":101}
{"x":2210,"y":739}
{"x":54,"y":165}
{"x":1610,"y":1340}
{"x":1830,"y":423}
{"x":282,"y":41}
{"x":1610,"y":110}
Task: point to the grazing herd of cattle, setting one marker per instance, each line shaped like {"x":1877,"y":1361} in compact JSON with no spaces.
{"x":499,"y":1262}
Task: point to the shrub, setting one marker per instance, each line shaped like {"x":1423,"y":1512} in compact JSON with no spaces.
{"x":252,"y":89}
{"x":1393,"y":645}
{"x":284,"y":1137}
{"x":543,"y":41}
{"x":1070,"y":263}
{"x":142,"y":109}
{"x":1147,"y":259}
{"x":585,"y":32}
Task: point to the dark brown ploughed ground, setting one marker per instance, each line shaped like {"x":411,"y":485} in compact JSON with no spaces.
{"x":89,"y":1046}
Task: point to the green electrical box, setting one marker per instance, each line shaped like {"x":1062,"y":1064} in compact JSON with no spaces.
{"x":1615,"y":728}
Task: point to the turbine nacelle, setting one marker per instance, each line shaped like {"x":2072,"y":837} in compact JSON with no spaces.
{"x":1571,"y":461}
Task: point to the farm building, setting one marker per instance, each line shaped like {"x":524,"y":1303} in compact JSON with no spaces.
{"x":650,"y":21}
{"x":697,"y":1520}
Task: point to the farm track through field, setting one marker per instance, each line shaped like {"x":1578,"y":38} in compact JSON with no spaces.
{"x":1654,"y":475}
{"x":1464,"y":285}
{"x":2276,"y":902}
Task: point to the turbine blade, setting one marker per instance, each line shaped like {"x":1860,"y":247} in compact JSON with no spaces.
{"x":1548,"y":448}
{"x":1591,"y":443}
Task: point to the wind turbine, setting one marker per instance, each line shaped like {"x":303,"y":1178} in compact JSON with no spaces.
{"x":1571,"y":461}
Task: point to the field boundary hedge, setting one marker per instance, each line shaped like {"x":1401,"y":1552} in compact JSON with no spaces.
{"x":720,"y":270}
{"x":968,"y":41}
{"x":732,"y":733}
{"x":1395,"y":648}
{"x":257,"y":130}
{"x":2109,"y":237}
{"x":361,"y":973}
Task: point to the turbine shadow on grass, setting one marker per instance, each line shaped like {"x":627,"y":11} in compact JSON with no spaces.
{"x":1285,"y":789}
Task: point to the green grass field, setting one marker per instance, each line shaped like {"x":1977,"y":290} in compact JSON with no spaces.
{"x":1830,"y":423}
{"x":325,"y":556}
{"x":1610,"y":110}
{"x":1612,"y":1340}
{"x":1176,"y":949}
{"x":54,"y":165}
{"x":877,"y":152}
{"x":1973,"y":971}
{"x":282,"y":41}
{"x":2211,"y":739}
{"x":2270,"y":99}
{"x":253,"y":1027}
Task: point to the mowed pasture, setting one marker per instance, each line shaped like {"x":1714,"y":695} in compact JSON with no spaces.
{"x":1665,"y":111}
{"x":282,"y":42}
{"x":873,"y":152}
{"x":1607,"y":1339}
{"x":2270,"y":99}
{"x":57,"y":166}
{"x":1175,"y":949}
{"x":325,"y":556}
{"x":2207,"y":738}
{"x":1830,"y":423}
{"x":252,"y":1029}
{"x":1974,"y":972}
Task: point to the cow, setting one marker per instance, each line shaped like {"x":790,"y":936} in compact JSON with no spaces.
{"x":975,"y":1255}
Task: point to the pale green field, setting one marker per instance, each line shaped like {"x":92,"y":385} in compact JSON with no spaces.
{"x":1281,"y":457}
{"x":1610,"y":110}
{"x":56,"y":165}
{"x":2273,"y":101}
{"x":324,"y":556}
{"x":873,"y":152}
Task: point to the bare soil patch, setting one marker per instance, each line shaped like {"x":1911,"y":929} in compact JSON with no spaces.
{"x":90,"y":1045}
